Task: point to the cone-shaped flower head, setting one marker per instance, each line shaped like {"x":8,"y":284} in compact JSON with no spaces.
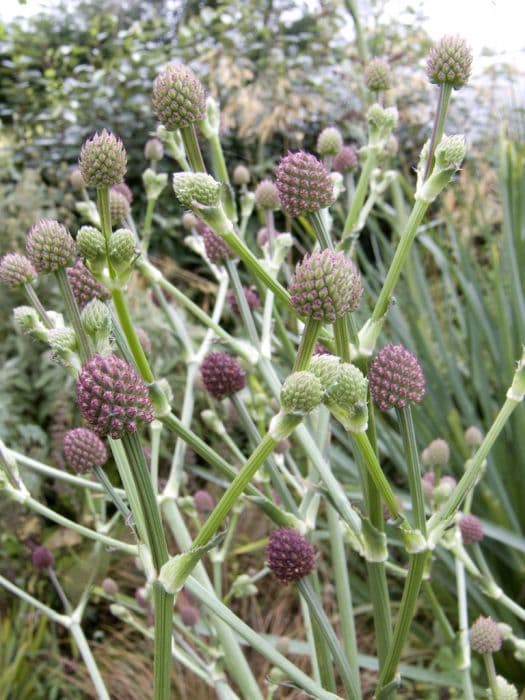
{"x":485,"y":636}
{"x":325,"y":286}
{"x":471,"y":529}
{"x":153,"y":149}
{"x":241,"y":175}
{"x":329,"y":142}
{"x":203,"y":501}
{"x":198,"y":187}
{"x":103,"y":160}
{"x":396,"y":378}
{"x":301,"y":393}
{"x":437,"y":453}
{"x":289,"y":554}
{"x":252,"y":298}
{"x":179,"y":98}
{"x":50,"y":246}
{"x":216,"y":248}
{"x":83,"y":450}
{"x":118,"y":206}
{"x":377,"y":75}
{"x":42,"y":557}
{"x":222,"y":374}
{"x":304,"y":184}
{"x":84,"y":286}
{"x":16,"y":270}
{"x":346,"y":161}
{"x":267,"y":195}
{"x":112,"y":397}
{"x":473,"y":436}
{"x":449,"y":62}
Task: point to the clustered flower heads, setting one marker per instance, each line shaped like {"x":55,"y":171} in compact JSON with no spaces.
{"x":178,"y":97}
{"x":16,"y":270}
{"x":346,"y":161}
{"x":450,"y":62}
{"x":103,"y":160}
{"x":485,"y":636}
{"x":112,"y":397}
{"x":471,"y":529}
{"x":50,"y":246}
{"x":329,"y":142}
{"x":290,"y":556}
{"x":396,"y":378}
{"x":325,"y":286}
{"x":222,"y":374}
{"x":84,"y":286}
{"x":83,"y":450}
{"x":377,"y":75}
{"x":304,"y":184}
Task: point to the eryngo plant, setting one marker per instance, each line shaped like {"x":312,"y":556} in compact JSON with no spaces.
{"x":279,"y":389}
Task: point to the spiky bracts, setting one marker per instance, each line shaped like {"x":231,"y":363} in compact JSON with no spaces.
{"x":84,"y":286}
{"x":301,"y":393}
{"x":196,"y":187}
{"x":485,"y":636}
{"x":289,"y":554}
{"x":470,"y":528}
{"x":112,"y":397}
{"x":83,"y":450}
{"x":346,"y":161}
{"x":178,"y":97}
{"x":396,"y":378}
{"x":304,"y":184}
{"x":377,"y":75}
{"x":16,"y":270}
{"x":325,"y":286}
{"x":222,"y":374}
{"x":450,"y":62}
{"x":50,"y":246}
{"x":103,"y":160}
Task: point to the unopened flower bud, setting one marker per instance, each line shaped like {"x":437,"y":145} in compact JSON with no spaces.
{"x":118,"y":206}
{"x":61,"y":340}
{"x":103,"y":160}
{"x":450,"y":152}
{"x":304,"y":184}
{"x":189,"y":221}
{"x":450,"y":62}
{"x":110,"y":586}
{"x":153,"y":149}
{"x":503,"y":690}
{"x":377,"y":75}
{"x":471,"y":529}
{"x":396,"y":378}
{"x":49,"y":246}
{"x":122,"y":248}
{"x":222,"y":375}
{"x":473,"y":436}
{"x":16,"y":270}
{"x":83,"y":450}
{"x":198,"y":187}
{"x":437,"y":453}
{"x":301,"y":393}
{"x":485,"y":636}
{"x":26,"y":318}
{"x":290,"y":556}
{"x":189,"y":615}
{"x":91,"y":243}
{"x":267,"y":195}
{"x":76,"y":180}
{"x":179,"y":98}
{"x":96,"y":318}
{"x":241,"y":175}
{"x":346,"y":161}
{"x":329,"y":142}
{"x":203,"y":501}
{"x":42,"y":557}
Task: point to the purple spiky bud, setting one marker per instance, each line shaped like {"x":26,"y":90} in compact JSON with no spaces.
{"x":123,"y":189}
{"x":112,"y":397}
{"x":329,"y":142}
{"x":203,"y":501}
{"x":377,"y":75}
{"x":16,"y":270}
{"x":252,"y":298}
{"x":471,"y":529}
{"x":290,"y":556}
{"x":267,"y":195}
{"x":84,"y":286}
{"x":450,"y":62}
{"x":222,"y":374}
{"x":83,"y":450}
{"x":153,"y":149}
{"x":346,"y":161}
{"x":325,"y":286}
{"x":118,"y":206}
{"x":304,"y":184}
{"x":216,"y":249}
{"x":50,"y":246}
{"x":103,"y":160}
{"x":241,"y":175}
{"x":178,"y":97}
{"x":485,"y":636}
{"x":42,"y":557}
{"x":396,"y":378}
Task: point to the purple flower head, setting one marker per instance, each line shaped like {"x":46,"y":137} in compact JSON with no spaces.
{"x":396,"y":378}
{"x":303,"y":183}
{"x":42,"y":557}
{"x":84,"y":286}
{"x":50,"y":246}
{"x":222,"y":374}
{"x":290,"y":556}
{"x":83,"y":450}
{"x":471,"y":529}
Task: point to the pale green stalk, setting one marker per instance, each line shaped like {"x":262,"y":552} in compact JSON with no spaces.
{"x":464,"y":643}
{"x":192,"y":148}
{"x":319,"y":224}
{"x":359,"y":195}
{"x":147,"y":225}
{"x":445,"y":91}
{"x":306,"y":346}
{"x":64,"y":620}
{"x":242,"y":303}
{"x":155,"y":432}
{"x":113,"y":495}
{"x":33,"y":299}
{"x":73,"y":314}
{"x":490,"y":669}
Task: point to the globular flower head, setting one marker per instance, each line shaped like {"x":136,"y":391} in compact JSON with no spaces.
{"x":329,"y":142}
{"x":153,"y":149}
{"x":377,"y":75}
{"x":325,"y":286}
{"x":325,"y":366}
{"x":91,"y":243}
{"x":350,"y":387}
{"x":252,"y":298}
{"x":179,"y":98}
{"x":473,"y":436}
{"x":289,"y":554}
{"x":267,"y":195}
{"x":124,"y":190}
{"x":189,"y":221}
{"x":437,"y":453}
{"x":301,"y":393}
{"x":83,"y":450}
{"x":396,"y":378}
{"x":222,"y":374}
{"x":110,"y":586}
{"x":203,"y":501}
{"x":198,"y":187}
{"x":471,"y":529}
{"x":118,"y":206}
{"x":112,"y":397}
{"x":241,"y":175}
{"x":216,"y":248}
{"x":96,"y":318}
{"x":16,"y":270}
{"x":346,"y":161}
{"x":485,"y":636}
{"x":50,"y":246}
{"x":42,"y":557}
{"x":304,"y":184}
{"x":84,"y":286}
{"x":76,"y":180}
{"x":450,"y":62}
{"x":122,"y":247}
{"x":103,"y":160}
{"x":189,"y":615}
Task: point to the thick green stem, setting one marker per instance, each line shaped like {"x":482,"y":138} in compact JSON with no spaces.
{"x":147,"y":226}
{"x":84,"y":349}
{"x":306,"y":346}
{"x":342,"y":339}
{"x":242,"y":302}
{"x":37,"y":304}
{"x":445,"y":91}
{"x":319,"y":224}
{"x":464,"y":665}
{"x":359,"y":194}
{"x":406,"y":425}
{"x":376,"y":473}
{"x":132,"y":339}
{"x":192,"y":148}
{"x":114,"y":496}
